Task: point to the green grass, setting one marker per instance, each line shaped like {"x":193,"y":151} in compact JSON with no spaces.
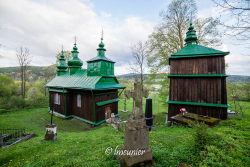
{"x":79,"y":146}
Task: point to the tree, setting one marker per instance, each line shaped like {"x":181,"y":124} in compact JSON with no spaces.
{"x":139,"y":54}
{"x":48,"y":73}
{"x":239,"y":13}
{"x":169,"y":35}
{"x":7,"y":86}
{"x":24,"y":61}
{"x":66,"y":53}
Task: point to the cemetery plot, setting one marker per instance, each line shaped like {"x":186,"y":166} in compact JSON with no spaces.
{"x":9,"y":137}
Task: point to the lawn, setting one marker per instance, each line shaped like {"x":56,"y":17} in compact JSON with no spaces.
{"x":78,"y":145}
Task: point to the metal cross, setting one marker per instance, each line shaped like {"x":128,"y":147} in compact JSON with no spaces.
{"x":75,"y":40}
{"x":102,"y":34}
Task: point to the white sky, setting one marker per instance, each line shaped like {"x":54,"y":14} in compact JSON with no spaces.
{"x":44,"y":26}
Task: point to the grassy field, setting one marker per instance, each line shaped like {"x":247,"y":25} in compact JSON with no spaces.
{"x":78,"y":145}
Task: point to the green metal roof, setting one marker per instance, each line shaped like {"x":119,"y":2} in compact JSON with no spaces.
{"x":97,"y":58}
{"x":80,"y":80}
{"x":194,"y":50}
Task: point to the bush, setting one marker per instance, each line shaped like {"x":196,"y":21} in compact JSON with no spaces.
{"x":35,"y":98}
{"x":13,"y":102}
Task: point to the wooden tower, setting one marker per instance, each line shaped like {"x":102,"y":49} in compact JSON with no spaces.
{"x":197,"y":80}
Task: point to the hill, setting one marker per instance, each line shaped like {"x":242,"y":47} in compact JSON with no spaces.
{"x":48,"y":72}
{"x":42,"y":73}
{"x":238,"y":79}
{"x":230,"y":78}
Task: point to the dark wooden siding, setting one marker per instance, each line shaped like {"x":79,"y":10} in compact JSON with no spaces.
{"x":100,"y":110}
{"x":86,"y":110}
{"x":57,"y":107}
{"x":198,"y":89}
{"x":200,"y":65}
{"x":88,"y":104}
{"x":201,"y":90}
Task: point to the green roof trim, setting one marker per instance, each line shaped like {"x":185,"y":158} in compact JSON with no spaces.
{"x":199,"y":104}
{"x":81,"y":119}
{"x":194,"y":50}
{"x":200,"y":75}
{"x":107,"y":102}
{"x":179,"y":57}
{"x":58,"y":90}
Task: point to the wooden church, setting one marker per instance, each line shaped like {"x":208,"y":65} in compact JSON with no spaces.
{"x":91,"y":94}
{"x":197,"y":80}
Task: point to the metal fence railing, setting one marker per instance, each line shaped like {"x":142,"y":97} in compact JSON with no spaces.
{"x":12,"y":132}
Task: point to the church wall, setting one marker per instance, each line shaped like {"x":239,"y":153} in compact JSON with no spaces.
{"x":100,"y":110}
{"x":57,"y":107}
{"x":87,"y":109}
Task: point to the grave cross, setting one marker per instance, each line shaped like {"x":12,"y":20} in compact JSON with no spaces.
{"x":137,"y":94}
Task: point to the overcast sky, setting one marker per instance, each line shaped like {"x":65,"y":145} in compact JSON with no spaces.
{"x":44,"y":26}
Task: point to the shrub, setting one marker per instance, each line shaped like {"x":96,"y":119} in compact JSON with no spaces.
{"x":13,"y":102}
{"x":201,"y":135}
{"x":35,"y":98}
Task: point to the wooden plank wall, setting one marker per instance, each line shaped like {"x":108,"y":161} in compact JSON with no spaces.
{"x":200,"y":65}
{"x":198,"y":89}
{"x":87,"y":107}
{"x":88,"y":102}
{"x":57,"y":108}
{"x":100,"y":110}
{"x":201,"y":90}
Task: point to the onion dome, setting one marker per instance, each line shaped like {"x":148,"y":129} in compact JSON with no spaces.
{"x":75,"y":61}
{"x":62,"y":66}
{"x":191,"y":37}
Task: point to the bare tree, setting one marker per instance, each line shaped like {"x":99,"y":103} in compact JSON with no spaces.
{"x":239,"y":13}
{"x":139,"y":53}
{"x":24,"y":61}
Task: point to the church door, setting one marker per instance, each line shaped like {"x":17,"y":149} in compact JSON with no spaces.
{"x":107,"y":112}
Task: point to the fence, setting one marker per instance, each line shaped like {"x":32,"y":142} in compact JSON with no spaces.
{"x":12,"y":132}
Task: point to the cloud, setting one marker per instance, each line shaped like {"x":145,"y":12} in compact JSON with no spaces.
{"x":43,"y":27}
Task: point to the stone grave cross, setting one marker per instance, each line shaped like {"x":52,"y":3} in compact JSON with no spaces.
{"x":137,"y":94}
{"x":136,"y":134}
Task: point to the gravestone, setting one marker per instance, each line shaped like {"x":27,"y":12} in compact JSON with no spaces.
{"x":115,"y":122}
{"x":136,"y":135}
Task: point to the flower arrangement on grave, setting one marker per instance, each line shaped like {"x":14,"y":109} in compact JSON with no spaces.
{"x":183,"y":111}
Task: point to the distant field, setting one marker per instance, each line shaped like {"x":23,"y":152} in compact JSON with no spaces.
{"x":79,"y":146}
